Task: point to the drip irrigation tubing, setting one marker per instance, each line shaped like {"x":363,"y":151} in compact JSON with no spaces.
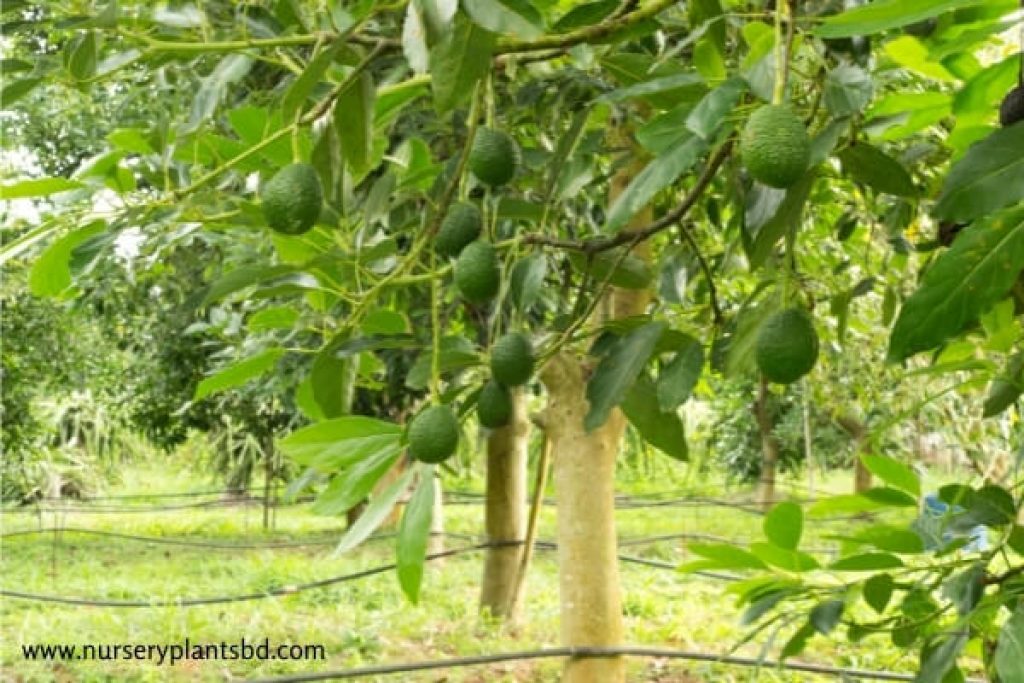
{"x":139,"y":509}
{"x":201,"y":543}
{"x":221,"y":599}
{"x":289,"y":590}
{"x":275,"y":545}
{"x":590,"y":652}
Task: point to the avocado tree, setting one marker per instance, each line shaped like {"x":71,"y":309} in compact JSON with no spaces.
{"x":455,"y":206}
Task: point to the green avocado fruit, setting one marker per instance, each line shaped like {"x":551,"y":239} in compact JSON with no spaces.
{"x":494,"y":157}
{"x":787,"y":346}
{"x":292,"y":199}
{"x":461,"y":226}
{"x":512,"y":359}
{"x":433,"y":435}
{"x":494,"y":405}
{"x":775,"y":147}
{"x":478,"y":272}
{"x":1011,"y":110}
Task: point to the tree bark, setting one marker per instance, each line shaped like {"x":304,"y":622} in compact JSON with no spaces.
{"x":436,"y":542}
{"x":584,"y":477}
{"x":858,"y":431}
{"x":505,"y":509}
{"x":583,"y":466}
{"x":769,"y":447}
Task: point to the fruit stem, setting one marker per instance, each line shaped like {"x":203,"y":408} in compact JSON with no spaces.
{"x":435,"y":331}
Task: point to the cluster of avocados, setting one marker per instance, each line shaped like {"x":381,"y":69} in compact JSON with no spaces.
{"x":433,"y":434}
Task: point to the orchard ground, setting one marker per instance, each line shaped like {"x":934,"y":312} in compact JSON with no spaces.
{"x":368,"y":620}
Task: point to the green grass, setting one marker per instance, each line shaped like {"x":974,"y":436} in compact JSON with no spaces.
{"x":360,"y":622}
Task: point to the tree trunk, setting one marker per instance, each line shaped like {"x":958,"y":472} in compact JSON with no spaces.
{"x":858,"y":431}
{"x":769,"y":447}
{"x":584,"y":477}
{"x":436,"y":542}
{"x":505,"y":509}
{"x":808,"y":443}
{"x":583,"y":466}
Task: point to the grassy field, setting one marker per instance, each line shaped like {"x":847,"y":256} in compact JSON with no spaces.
{"x":358,"y":622}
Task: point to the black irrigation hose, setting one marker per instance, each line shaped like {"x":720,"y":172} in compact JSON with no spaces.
{"x":213,"y":600}
{"x":581,"y":652}
{"x":288,"y":590}
{"x":139,"y":509}
{"x":173,"y":541}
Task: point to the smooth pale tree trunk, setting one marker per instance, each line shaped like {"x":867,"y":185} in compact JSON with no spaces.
{"x":584,"y":478}
{"x":769,"y":447}
{"x":858,"y":432}
{"x":436,"y":542}
{"x":583,"y":466}
{"x":505,"y":510}
{"x":808,"y":443}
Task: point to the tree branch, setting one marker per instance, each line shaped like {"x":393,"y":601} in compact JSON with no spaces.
{"x":587,"y":34}
{"x":599,"y":244}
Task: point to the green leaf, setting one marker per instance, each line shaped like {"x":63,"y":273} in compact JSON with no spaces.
{"x":39,"y":187}
{"x":893,"y":472}
{"x":848,"y":89}
{"x":413,"y":534}
{"x":458,"y":62}
{"x":625,"y":271}
{"x":351,"y":486}
{"x":784,"y":524}
{"x":966,"y":588}
{"x":825,"y":616}
{"x":789,"y":560}
{"x":618,"y":370}
{"x":676,"y":382}
{"x":583,"y":15}
{"x":726,"y":556}
{"x":526,"y":280}
{"x":663,"y":430}
{"x":12,"y":91}
{"x":240,"y":278}
{"x":273,"y":318}
{"x":910,"y":53}
{"x":937,"y":661}
{"x":707,"y":117}
{"x":50,"y":275}
{"x":295,"y":97}
{"x":1009,"y":659}
{"x":797,"y":642}
{"x":991,"y":505}
{"x":333,"y":444}
{"x":515,"y":17}
{"x":455,"y":353}
{"x":80,"y":55}
{"x":375,"y":513}
{"x":231,"y":69}
{"x":855,"y":503}
{"x":974,"y":274}
{"x":329,"y":378}
{"x":876,"y":169}
{"x":878,"y":591}
{"x":656,"y":176}
{"x":353,"y":122}
{"x":883,"y":15}
{"x":786,"y":221}
{"x":985,"y":90}
{"x":986,"y":179}
{"x":238,"y":373}
{"x":891,"y":539}
{"x":866,"y":562}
